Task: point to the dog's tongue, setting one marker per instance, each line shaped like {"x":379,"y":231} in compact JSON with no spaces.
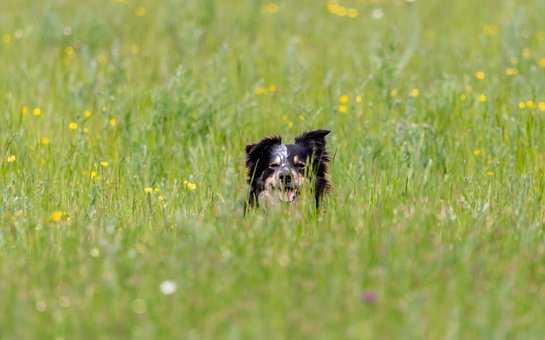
{"x":291,"y":195}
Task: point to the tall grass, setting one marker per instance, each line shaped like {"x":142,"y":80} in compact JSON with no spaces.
{"x":122,"y":134}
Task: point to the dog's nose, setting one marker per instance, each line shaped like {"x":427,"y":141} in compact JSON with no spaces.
{"x":285,"y":178}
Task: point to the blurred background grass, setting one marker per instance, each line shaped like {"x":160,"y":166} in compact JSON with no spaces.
{"x":122,"y":169}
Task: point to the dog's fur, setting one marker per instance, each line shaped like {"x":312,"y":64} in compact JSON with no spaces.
{"x":277,"y":172}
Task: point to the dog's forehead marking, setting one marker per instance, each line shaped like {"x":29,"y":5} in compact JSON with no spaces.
{"x":281,"y":153}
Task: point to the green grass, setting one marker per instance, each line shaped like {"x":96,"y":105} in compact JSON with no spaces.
{"x":434,"y":229}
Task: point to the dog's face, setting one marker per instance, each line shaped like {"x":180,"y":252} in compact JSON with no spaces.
{"x":285,"y":173}
{"x":278,"y":172}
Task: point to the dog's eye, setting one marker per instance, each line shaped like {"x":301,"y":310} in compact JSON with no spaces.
{"x":274,"y":165}
{"x":299,"y":165}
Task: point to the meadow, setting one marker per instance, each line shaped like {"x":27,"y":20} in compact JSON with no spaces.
{"x":122,"y":180}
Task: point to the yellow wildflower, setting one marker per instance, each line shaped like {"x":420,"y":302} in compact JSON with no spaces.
{"x":480,"y":75}
{"x":6,"y":38}
{"x":11,"y":158}
{"x":272,"y":88}
{"x":477,"y":152}
{"x":148,"y":190}
{"x":190,"y":185}
{"x":342,"y":11}
{"x":522,"y":105}
{"x":483,"y":98}
{"x":140,"y":11}
{"x":415,"y":92}
{"x":259,"y":91}
{"x":69,"y":51}
{"x":93,"y":174}
{"x":270,"y":8}
{"x":352,"y":12}
{"x":73,"y":126}
{"x":530,"y":104}
{"x":342,"y":108}
{"x":359,"y":99}
{"x":490,"y":173}
{"x":104,"y":164}
{"x":113,"y":122}
{"x":393,"y":93}
{"x":541,"y":62}
{"x":56,"y":216}
{"x":344,"y":99}
{"x":44,"y":141}
{"x":24,"y":110}
{"x":541,"y":106}
{"x":37,"y":112}
{"x":87,"y":113}
{"x":332,"y":7}
{"x":511,"y":71}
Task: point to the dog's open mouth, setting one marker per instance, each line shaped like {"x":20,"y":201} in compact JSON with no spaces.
{"x":288,"y":194}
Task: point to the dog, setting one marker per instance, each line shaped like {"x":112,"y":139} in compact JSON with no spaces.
{"x":278,"y":172}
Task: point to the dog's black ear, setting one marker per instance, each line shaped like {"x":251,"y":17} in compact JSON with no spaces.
{"x":253,"y":151}
{"x":315,"y":139}
{"x":256,"y":154}
{"x":249,"y":148}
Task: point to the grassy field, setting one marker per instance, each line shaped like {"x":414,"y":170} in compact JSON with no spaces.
{"x":122,"y":133}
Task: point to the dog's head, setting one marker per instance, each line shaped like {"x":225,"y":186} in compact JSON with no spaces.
{"x":278,"y":172}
